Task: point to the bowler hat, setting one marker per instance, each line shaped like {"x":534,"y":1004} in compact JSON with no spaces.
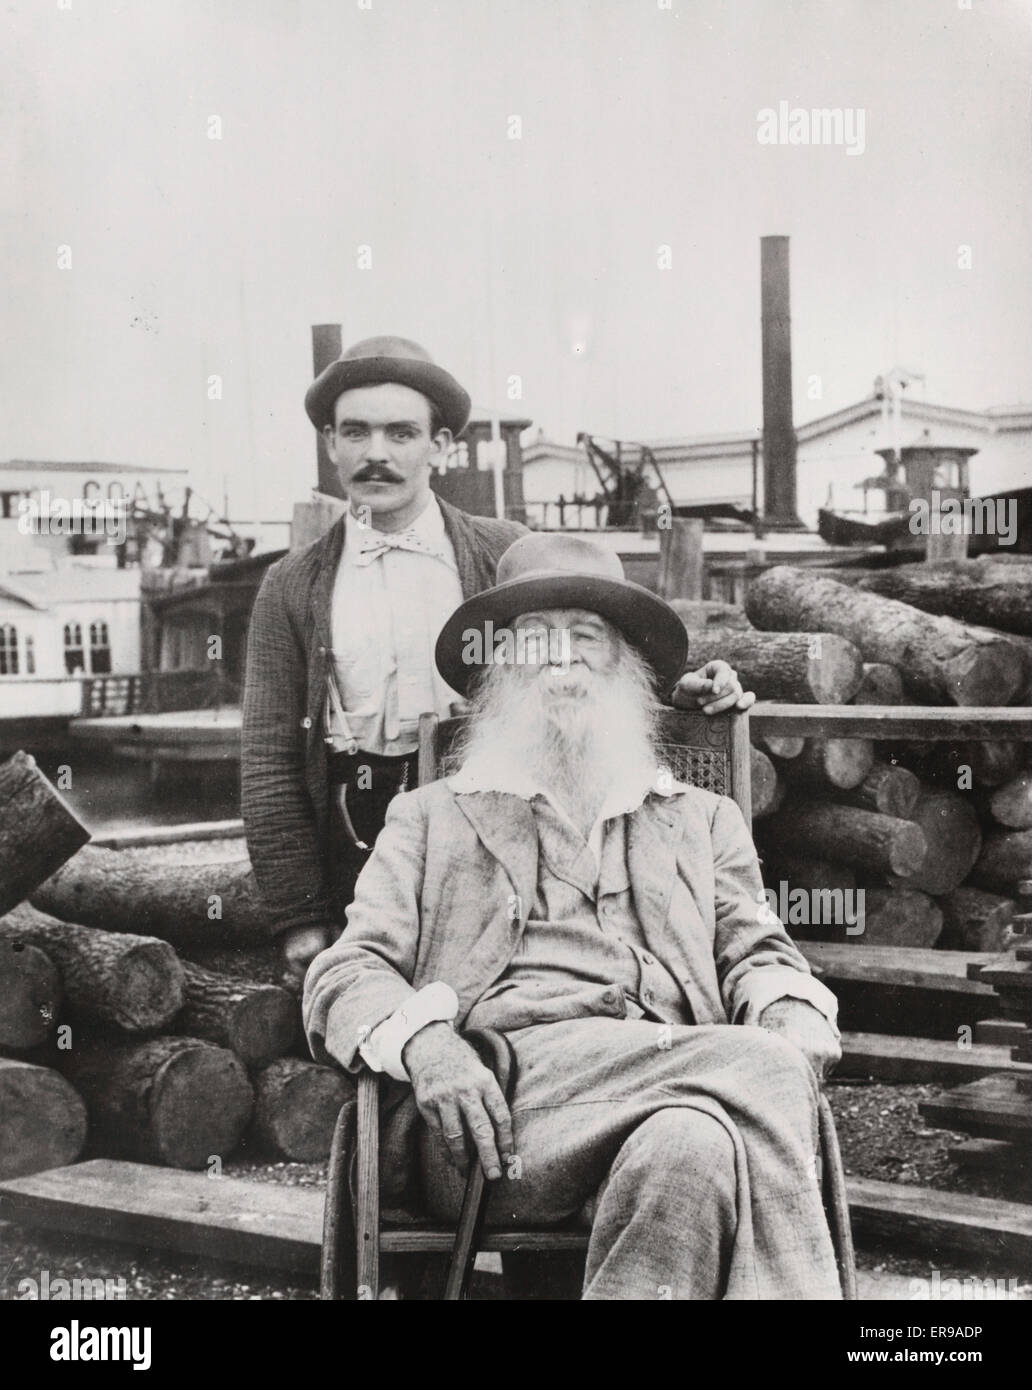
{"x":553,"y":570}
{"x":374,"y":361}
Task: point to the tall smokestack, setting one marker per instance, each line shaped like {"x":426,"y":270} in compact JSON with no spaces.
{"x":327,"y":346}
{"x":779,"y":438}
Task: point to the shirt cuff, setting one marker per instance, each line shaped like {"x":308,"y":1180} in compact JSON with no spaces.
{"x":381,"y":1051}
{"x":763,"y":986}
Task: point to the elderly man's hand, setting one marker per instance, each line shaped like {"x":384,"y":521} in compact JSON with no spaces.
{"x":458,"y":1096}
{"x":807,"y":1028}
{"x":715,"y":687}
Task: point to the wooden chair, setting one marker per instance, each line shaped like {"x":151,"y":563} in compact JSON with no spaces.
{"x":708,"y":751}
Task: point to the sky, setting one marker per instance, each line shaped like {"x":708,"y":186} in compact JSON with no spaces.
{"x":567,"y":192}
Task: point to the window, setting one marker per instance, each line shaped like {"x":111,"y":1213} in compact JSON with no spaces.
{"x":73,"y":652}
{"x":8,"y":650}
{"x":100,"y":649}
{"x":30,"y":654}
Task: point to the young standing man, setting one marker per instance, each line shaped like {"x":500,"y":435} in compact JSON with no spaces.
{"x":340,"y":659}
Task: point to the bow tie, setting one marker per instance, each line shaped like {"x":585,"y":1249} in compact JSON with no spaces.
{"x":373,"y":544}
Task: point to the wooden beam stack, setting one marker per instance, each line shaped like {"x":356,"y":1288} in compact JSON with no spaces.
{"x":997,"y":1110}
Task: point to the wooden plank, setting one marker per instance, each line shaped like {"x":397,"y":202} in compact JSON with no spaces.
{"x":975,"y":967}
{"x":169,"y":1209}
{"x":1000,"y":1032}
{"x":267,"y":1225}
{"x":890,"y":1057}
{"x":931,"y":1218}
{"x":993,"y":1107}
{"x":908,"y":967}
{"x":992,"y":1156}
{"x":979,"y":722}
{"x":1016,"y":977}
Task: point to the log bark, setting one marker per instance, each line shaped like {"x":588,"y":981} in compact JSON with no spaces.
{"x":256,"y":1021}
{"x":974,"y":920}
{"x":954,"y":839}
{"x":834,"y":763}
{"x":764,"y":783}
{"x":1011,"y":804}
{"x":954,"y":591}
{"x":38,"y":829}
{"x":129,"y":982}
{"x":178,"y":1101}
{"x":30,"y":995}
{"x":798,"y":667}
{"x":880,"y":684}
{"x":296,"y":1107}
{"x":214,"y":904}
{"x":939,"y":659}
{"x":1006,"y":858}
{"x":44,"y":1120}
{"x":900,"y":917}
{"x":805,"y":871}
{"x":261,"y":965}
{"x":863,"y":839}
{"x":981,"y":763}
{"x":888,"y":789}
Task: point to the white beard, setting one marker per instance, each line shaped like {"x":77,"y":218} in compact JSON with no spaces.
{"x":575,"y":732}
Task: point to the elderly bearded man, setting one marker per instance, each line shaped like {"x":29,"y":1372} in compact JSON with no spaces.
{"x":559,"y":887}
{"x":340,"y":647}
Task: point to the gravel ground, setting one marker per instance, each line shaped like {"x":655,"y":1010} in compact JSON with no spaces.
{"x":881,"y":1133}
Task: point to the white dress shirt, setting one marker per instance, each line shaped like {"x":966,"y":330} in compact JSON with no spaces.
{"x":392,"y":595}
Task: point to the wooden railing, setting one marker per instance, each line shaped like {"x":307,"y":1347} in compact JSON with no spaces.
{"x":911,"y":722}
{"x":157,"y":692}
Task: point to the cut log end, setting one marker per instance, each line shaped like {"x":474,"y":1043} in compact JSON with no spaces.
{"x":953,"y":838}
{"x":880,"y":684}
{"x":991,"y":674}
{"x":44,"y":1120}
{"x":296,"y":1108}
{"x":900,"y":917}
{"x":177,"y":1101}
{"x":908,"y":851}
{"x":146,"y":986}
{"x":200,"y":1104}
{"x":263,"y":1025}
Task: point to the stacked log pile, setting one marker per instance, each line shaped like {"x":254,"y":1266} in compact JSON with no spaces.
{"x":133,"y":1023}
{"x":936,"y":836}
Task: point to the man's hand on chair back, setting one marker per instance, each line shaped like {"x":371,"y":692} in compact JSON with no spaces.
{"x":300,"y":946}
{"x":459,"y":1098}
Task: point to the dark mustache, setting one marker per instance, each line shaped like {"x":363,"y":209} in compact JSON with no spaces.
{"x":373,"y":473}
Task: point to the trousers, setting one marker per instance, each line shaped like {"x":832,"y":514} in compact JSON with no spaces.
{"x":370,"y":782}
{"x":693,"y":1149}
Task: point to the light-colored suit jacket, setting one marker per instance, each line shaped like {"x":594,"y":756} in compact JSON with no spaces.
{"x":446,"y":892}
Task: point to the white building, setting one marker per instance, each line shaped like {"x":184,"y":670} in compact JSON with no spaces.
{"x":835,"y":453}
{"x":66,"y":610}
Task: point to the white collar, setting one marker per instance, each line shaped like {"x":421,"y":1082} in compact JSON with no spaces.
{"x":428,"y":526}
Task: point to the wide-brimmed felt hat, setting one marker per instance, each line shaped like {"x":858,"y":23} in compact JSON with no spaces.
{"x":374,"y":361}
{"x":553,"y":570}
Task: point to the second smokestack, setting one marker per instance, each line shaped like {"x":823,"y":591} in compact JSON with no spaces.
{"x":779,"y":437}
